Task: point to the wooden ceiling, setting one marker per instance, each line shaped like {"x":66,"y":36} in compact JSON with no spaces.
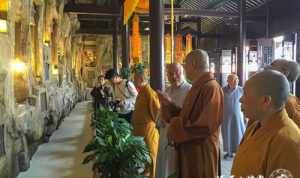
{"x":99,"y":16}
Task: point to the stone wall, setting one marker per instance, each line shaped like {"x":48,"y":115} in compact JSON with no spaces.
{"x":33,"y":104}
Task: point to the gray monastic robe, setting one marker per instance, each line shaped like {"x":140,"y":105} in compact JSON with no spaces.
{"x":233,"y":126}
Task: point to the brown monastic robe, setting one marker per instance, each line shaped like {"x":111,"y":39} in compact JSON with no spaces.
{"x":196,"y":129}
{"x":292,"y":107}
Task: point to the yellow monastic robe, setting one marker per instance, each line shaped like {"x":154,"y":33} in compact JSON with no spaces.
{"x":292,"y":107}
{"x":144,"y":119}
{"x":196,"y":130}
{"x":266,"y":149}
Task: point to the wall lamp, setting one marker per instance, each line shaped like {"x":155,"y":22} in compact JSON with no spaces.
{"x":18,"y":66}
{"x":3,"y":16}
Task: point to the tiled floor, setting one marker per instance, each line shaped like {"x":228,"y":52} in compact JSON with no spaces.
{"x":62,"y":156}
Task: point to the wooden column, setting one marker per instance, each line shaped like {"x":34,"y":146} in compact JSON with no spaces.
{"x":241,"y":54}
{"x":157,"y":45}
{"x":199,"y":27}
{"x":297,"y":43}
{"x":115,"y":45}
{"x":267,"y":20}
{"x":125,"y":45}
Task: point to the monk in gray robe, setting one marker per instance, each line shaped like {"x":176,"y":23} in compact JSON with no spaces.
{"x":233,"y":126}
{"x":195,"y":128}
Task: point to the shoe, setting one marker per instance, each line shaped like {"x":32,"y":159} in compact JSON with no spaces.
{"x":228,"y":155}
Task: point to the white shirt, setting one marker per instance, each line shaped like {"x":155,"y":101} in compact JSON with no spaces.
{"x":125,"y":92}
{"x":178,"y":94}
{"x":166,"y":159}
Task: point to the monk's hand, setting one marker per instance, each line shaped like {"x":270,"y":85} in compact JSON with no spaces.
{"x":163,"y":97}
{"x":165,"y":113}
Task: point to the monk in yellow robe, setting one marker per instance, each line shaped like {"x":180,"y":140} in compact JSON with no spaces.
{"x":195,"y":128}
{"x":291,"y":70}
{"x":270,"y":146}
{"x":145,"y":116}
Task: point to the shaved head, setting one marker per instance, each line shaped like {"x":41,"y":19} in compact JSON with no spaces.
{"x":196,"y":63}
{"x":175,"y":67}
{"x":270,"y":83}
{"x":175,"y":73}
{"x":198,"y":58}
{"x":232,"y":77}
{"x":290,"y":69}
{"x":232,"y":80}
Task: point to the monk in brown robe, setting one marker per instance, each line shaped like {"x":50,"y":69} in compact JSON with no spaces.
{"x":291,"y":70}
{"x":270,"y":146}
{"x":195,"y":128}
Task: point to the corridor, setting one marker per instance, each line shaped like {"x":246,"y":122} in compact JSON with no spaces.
{"x":62,"y":156}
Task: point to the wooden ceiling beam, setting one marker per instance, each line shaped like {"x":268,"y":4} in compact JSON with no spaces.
{"x":200,"y":12}
{"x":104,"y":11}
{"x":91,"y":9}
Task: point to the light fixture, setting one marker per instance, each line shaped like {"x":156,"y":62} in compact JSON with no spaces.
{"x":55,"y":70}
{"x":3,"y":16}
{"x":18,"y":66}
{"x":3,"y":26}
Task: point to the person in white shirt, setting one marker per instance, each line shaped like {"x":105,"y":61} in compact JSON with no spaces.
{"x":177,"y":91}
{"x":124,"y":94}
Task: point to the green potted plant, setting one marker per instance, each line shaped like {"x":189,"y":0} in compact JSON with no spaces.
{"x":115,"y":152}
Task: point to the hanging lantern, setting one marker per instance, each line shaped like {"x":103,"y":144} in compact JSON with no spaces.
{"x":168,"y":48}
{"x":129,"y":7}
{"x":188,"y":47}
{"x":178,"y":49}
{"x":143,"y":6}
{"x":136,"y":41}
{"x":3,"y":16}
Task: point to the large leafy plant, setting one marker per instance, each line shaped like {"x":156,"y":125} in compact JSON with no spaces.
{"x":115,"y":152}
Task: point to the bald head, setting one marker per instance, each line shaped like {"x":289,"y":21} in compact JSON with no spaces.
{"x":270,"y":83}
{"x":196,"y":64}
{"x":175,"y":73}
{"x":198,"y":58}
{"x":232,"y":80}
{"x":290,"y":69}
{"x":175,"y":67}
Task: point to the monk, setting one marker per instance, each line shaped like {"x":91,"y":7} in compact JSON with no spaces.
{"x":177,"y":91}
{"x":145,"y":116}
{"x":233,"y":126}
{"x":270,"y":146}
{"x":195,"y":128}
{"x":291,"y":70}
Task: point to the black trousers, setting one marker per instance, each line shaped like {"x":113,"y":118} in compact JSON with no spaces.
{"x":127,"y":116}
